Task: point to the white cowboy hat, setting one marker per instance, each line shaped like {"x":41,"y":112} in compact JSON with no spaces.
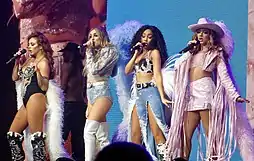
{"x":207,"y":24}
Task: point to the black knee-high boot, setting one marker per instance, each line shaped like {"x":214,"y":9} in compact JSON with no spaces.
{"x":15,"y":141}
{"x":39,"y":146}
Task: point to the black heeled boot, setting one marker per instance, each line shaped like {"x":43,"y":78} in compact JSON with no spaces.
{"x":38,"y":144}
{"x":15,"y":142}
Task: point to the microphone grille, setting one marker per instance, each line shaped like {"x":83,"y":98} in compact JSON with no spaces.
{"x":23,"y":51}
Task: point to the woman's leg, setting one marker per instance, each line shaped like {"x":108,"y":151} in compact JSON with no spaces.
{"x":191,"y":121}
{"x":88,"y":109}
{"x":135,"y":127}
{"x":100,"y":109}
{"x":14,"y":136}
{"x":205,"y":122}
{"x":204,"y":115}
{"x":36,"y":107}
{"x":97,"y":114}
{"x":20,"y":121}
{"x":157,"y":132}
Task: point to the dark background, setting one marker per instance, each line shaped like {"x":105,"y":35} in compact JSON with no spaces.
{"x":10,"y":44}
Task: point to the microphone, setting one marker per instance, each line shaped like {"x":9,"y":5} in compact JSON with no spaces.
{"x":189,"y":47}
{"x":86,"y":44}
{"x":137,"y":47}
{"x":19,"y":53}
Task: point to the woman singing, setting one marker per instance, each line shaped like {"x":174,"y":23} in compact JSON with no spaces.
{"x":147,"y":117}
{"x":36,"y":94}
{"x":101,"y":57}
{"x":204,"y":91}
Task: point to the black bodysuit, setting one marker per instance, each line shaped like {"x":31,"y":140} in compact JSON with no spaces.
{"x":32,"y":86}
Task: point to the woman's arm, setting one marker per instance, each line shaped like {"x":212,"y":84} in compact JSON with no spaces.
{"x":156,"y":58}
{"x":15,"y":71}
{"x":108,"y":58}
{"x":43,"y":72}
{"x":130,"y":65}
{"x":227,"y":81}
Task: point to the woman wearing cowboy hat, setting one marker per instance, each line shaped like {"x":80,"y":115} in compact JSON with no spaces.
{"x":204,"y":91}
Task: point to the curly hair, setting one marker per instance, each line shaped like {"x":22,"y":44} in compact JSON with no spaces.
{"x":43,"y":41}
{"x":157,"y":42}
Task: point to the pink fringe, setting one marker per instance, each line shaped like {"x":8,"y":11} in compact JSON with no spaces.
{"x":173,"y":142}
{"x":217,"y":142}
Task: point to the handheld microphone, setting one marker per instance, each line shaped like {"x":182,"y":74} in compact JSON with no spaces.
{"x":137,"y":47}
{"x":189,"y":47}
{"x":86,"y":44}
{"x":19,"y":53}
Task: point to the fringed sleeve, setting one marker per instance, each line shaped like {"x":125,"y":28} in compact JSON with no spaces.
{"x":222,"y":122}
{"x":226,"y":80}
{"x":174,"y":142}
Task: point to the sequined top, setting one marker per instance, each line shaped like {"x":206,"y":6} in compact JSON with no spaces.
{"x":68,"y":18}
{"x":198,"y":60}
{"x":99,"y":66}
{"x":27,"y":73}
{"x":144,"y":65}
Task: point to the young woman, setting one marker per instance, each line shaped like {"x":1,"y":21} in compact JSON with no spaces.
{"x":203,"y":91}
{"x":101,"y":57}
{"x":36,"y":94}
{"x":147,"y":117}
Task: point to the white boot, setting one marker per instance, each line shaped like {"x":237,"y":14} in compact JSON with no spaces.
{"x":90,"y":130}
{"x":102,"y":134}
{"x":161,"y":149}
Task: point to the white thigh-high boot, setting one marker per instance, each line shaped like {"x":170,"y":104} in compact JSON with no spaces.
{"x":102,"y":135}
{"x":90,"y":130}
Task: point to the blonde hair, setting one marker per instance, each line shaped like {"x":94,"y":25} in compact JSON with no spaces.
{"x":213,"y":43}
{"x":103,"y":36}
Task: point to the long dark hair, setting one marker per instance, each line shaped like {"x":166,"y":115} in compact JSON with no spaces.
{"x":43,"y":41}
{"x":158,"y":41}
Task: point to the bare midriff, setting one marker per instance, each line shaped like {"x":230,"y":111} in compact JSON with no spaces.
{"x":144,"y":77}
{"x":198,"y":73}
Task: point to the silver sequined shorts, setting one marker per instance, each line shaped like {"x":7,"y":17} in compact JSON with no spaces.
{"x":97,"y":90}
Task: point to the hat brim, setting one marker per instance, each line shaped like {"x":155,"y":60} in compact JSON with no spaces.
{"x":213,"y":27}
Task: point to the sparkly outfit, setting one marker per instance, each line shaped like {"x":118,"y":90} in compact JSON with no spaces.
{"x":51,"y":136}
{"x":202,"y":90}
{"x":98,"y":68}
{"x":219,"y":98}
{"x":31,"y":87}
